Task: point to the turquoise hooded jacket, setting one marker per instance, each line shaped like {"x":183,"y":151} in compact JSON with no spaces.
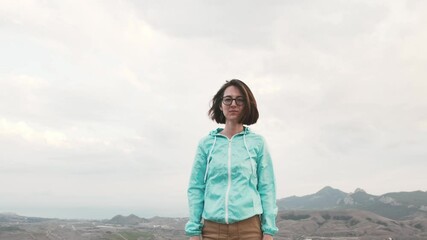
{"x":232,"y":180}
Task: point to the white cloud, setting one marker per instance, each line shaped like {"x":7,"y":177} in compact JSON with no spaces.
{"x":126,"y":73}
{"x":23,"y":130}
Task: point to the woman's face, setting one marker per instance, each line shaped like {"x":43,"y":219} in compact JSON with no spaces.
{"x":232,"y":104}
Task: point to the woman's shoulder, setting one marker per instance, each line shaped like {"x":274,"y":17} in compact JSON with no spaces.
{"x":254,"y":135}
{"x":209,"y":138}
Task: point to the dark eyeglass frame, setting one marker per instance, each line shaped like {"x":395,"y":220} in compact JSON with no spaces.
{"x":240,"y":101}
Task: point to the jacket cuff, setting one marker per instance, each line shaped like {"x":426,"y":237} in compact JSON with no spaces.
{"x":270,"y":230}
{"x":193,"y":229}
{"x":189,"y":234}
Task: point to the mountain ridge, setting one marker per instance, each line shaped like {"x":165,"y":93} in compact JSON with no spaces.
{"x":393,"y":205}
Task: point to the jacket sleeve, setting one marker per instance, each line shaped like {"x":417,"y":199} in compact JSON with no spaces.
{"x":196,"y":192}
{"x":267,"y":191}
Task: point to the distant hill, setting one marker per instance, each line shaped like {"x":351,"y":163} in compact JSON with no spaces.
{"x":129,"y":220}
{"x":326,"y":198}
{"x":396,"y":206}
{"x":13,"y":217}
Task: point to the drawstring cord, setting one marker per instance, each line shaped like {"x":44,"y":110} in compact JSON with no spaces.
{"x":208,"y":160}
{"x":247,"y":150}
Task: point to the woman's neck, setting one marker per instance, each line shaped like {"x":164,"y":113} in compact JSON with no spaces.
{"x":231,"y":129}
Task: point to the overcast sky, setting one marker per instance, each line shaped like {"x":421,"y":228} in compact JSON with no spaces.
{"x":102,"y":103}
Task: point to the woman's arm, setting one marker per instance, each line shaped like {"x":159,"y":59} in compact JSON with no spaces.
{"x":196,"y":192}
{"x":267,"y":191}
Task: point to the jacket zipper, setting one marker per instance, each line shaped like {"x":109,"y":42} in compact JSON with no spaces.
{"x":229,"y":175}
{"x":229,"y":181}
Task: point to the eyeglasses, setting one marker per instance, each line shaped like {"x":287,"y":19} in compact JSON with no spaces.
{"x":229,"y":100}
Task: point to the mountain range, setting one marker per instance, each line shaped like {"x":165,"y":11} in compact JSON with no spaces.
{"x":395,"y":205}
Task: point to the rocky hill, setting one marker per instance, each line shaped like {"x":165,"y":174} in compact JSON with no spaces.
{"x":397,"y":206}
{"x":129,"y":220}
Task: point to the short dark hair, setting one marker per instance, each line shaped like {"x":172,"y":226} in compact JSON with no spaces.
{"x":250,"y":111}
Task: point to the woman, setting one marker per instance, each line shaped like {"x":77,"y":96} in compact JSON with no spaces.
{"x":232,"y":185}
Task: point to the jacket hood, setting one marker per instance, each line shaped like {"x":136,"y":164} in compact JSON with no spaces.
{"x":214,"y":132}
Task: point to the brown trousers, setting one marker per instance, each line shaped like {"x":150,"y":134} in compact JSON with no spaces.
{"x":248,"y":229}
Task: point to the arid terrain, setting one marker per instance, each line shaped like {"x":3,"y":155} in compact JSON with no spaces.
{"x":22,"y":228}
{"x":326,"y":214}
{"x":327,"y":224}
